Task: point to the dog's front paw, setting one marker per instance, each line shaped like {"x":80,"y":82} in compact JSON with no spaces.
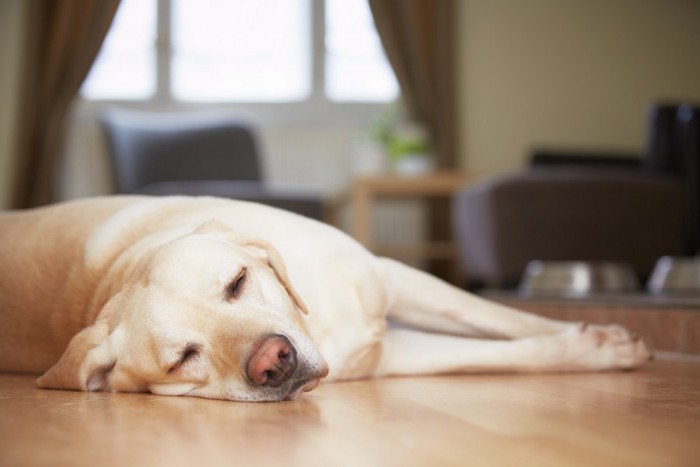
{"x":604,"y":347}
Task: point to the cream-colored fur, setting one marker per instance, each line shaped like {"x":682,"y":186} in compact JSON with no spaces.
{"x":135,"y":294}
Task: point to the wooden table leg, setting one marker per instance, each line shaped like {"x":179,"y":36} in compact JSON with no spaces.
{"x":362,"y":215}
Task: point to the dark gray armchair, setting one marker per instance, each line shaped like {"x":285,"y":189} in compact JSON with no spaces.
{"x":588,"y":206}
{"x":194,"y":153}
{"x":566,"y":214}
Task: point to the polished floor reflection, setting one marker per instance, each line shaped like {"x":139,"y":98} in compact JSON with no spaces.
{"x":649,"y":417}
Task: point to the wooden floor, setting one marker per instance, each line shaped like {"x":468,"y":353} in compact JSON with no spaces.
{"x":650,"y":417}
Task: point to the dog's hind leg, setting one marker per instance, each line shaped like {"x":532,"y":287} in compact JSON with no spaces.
{"x":420,"y":300}
{"x":581,"y":348}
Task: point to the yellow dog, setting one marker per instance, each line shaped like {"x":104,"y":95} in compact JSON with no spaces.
{"x":234,"y":300}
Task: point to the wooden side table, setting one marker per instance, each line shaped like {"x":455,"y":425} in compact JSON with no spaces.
{"x":366,"y":190}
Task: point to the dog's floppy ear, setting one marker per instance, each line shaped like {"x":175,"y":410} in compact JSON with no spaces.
{"x":85,"y":365}
{"x":275,"y":261}
{"x":87,"y":361}
{"x":261,"y":249}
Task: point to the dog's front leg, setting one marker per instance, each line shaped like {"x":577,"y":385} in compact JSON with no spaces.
{"x":581,"y":348}
{"x":426,"y":302}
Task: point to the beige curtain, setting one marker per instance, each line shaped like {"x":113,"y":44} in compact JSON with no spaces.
{"x":418,"y":37}
{"x":63,"y":38}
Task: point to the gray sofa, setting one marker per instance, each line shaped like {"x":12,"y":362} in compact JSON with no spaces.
{"x":591,"y":206}
{"x":566,"y":213}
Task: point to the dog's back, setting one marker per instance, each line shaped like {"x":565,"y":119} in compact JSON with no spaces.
{"x":41,"y":272}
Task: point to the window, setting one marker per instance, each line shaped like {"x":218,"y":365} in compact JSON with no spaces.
{"x":227,"y":50}
{"x":125,"y":66}
{"x":263,"y":51}
{"x":356,"y":67}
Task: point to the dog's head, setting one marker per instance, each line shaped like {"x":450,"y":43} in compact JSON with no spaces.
{"x":209,"y":314}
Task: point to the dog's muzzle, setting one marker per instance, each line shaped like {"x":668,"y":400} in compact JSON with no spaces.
{"x":273,"y":362}
{"x":274,"y":368}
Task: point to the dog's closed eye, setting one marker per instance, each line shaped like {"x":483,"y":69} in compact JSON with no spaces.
{"x":189,"y":353}
{"x":235,"y":287}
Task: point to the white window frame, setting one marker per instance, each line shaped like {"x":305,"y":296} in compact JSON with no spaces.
{"x":317,"y":109}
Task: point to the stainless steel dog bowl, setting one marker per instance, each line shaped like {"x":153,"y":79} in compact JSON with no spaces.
{"x":576,"y":278}
{"x":676,"y":275}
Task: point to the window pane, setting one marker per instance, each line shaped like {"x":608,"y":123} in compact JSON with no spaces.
{"x":356,"y":67}
{"x":241,"y":50}
{"x":125,"y":66}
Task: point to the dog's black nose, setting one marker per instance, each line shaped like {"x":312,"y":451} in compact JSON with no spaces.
{"x":273,"y":362}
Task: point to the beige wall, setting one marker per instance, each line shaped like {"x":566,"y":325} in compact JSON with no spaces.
{"x":11,"y":14}
{"x":568,"y":73}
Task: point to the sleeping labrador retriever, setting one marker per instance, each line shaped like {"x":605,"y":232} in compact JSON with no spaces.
{"x":234,"y":300}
